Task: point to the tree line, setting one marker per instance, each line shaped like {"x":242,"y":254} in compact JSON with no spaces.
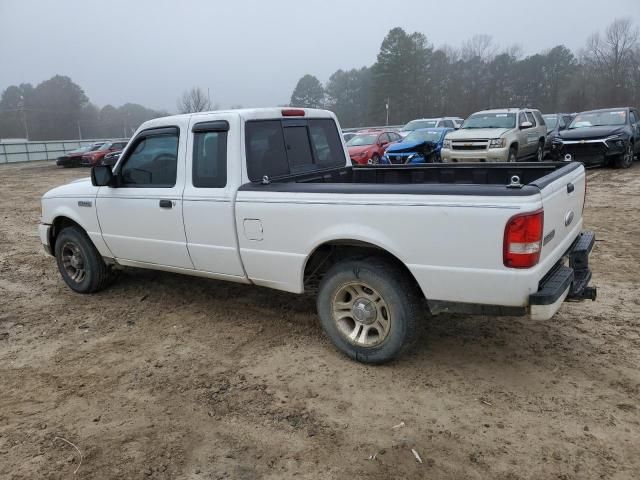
{"x":58,"y":109}
{"x":412,"y":79}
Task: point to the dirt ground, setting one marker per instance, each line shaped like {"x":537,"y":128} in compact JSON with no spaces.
{"x":166,"y":376}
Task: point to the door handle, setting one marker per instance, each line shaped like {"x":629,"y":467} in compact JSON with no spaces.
{"x":166,"y":204}
{"x":570,"y":187}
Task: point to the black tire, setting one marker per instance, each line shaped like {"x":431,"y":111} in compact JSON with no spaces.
{"x":626,"y":159}
{"x":398,"y":293}
{"x":97,"y":275}
{"x":513,"y":154}
{"x":375,"y":159}
{"x":540,"y":151}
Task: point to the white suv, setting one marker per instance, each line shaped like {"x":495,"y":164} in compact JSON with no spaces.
{"x":505,"y":135}
{"x":444,"y":122}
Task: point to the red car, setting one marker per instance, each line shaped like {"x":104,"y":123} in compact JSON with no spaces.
{"x":93,"y":158}
{"x":367,"y":147}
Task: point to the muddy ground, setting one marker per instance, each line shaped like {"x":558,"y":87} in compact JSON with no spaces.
{"x":165,"y":376}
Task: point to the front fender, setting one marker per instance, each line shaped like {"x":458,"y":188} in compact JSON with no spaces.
{"x":80,"y":211}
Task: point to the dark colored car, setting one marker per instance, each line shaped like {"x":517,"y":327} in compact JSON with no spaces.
{"x":602,"y":137}
{"x":93,"y":158}
{"x":110,"y":159}
{"x":368,"y":146}
{"x":420,"y":146}
{"x":73,"y":158}
{"x":556,"y":123}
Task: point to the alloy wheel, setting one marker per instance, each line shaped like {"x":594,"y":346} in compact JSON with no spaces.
{"x":73,"y":262}
{"x":361,"y":314}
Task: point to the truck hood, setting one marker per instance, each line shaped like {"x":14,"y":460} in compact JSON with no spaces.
{"x":473,"y":133}
{"x":404,"y":147}
{"x":78,"y":188}
{"x":591,"y":132}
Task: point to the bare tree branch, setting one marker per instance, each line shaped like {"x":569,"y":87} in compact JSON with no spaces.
{"x":194,"y":100}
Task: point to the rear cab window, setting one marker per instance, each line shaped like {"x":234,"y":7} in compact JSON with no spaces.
{"x":280,"y":148}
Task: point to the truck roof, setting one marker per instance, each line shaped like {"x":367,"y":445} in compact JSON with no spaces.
{"x":245,"y":114}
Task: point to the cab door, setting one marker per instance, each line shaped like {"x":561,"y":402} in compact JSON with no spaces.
{"x":209,"y":195}
{"x":141,"y":217}
{"x":527,"y":136}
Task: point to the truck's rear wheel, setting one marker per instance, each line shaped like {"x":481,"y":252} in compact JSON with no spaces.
{"x":81,"y":266}
{"x":369,"y":309}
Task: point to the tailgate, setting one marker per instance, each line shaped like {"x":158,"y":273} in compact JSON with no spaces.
{"x":562,"y":201}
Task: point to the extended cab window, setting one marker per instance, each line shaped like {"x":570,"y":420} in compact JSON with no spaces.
{"x":153,"y":160}
{"x":210,"y":159}
{"x":278,"y":148}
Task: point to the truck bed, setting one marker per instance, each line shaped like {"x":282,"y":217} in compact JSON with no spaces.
{"x":437,"y":179}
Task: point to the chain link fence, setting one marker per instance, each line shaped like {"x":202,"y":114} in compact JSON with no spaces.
{"x":13,"y":152}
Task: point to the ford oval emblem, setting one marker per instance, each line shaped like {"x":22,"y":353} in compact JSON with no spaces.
{"x":568,"y":219}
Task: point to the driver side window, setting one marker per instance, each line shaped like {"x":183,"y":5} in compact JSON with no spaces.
{"x":153,"y":161}
{"x":522,"y":118}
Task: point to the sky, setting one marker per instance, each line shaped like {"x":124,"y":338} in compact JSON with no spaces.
{"x":252,"y":52}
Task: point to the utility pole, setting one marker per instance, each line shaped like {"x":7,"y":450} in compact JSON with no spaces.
{"x":387,"y":106}
{"x":209,"y":99}
{"x":24,"y":117}
{"x":79,"y":131}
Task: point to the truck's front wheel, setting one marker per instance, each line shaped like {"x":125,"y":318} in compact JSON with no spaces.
{"x":369,"y":309}
{"x":81,"y":266}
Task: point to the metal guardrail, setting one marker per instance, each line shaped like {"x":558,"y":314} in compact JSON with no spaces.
{"x":14,"y":152}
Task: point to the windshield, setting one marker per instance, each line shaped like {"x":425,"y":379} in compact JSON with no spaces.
{"x":86,"y":148}
{"x":491,"y":120}
{"x":599,"y":119}
{"x":423,"y":136}
{"x":416,"y":124}
{"x":551,"y":121}
{"x":96,"y":146}
{"x":361,"y":140}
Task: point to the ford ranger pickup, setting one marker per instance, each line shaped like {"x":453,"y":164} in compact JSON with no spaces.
{"x":269,"y":197}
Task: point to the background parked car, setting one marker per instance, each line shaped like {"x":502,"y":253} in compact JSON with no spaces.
{"x":348,"y":136}
{"x":499,"y":135}
{"x":556,"y":122}
{"x":444,"y":122}
{"x":110,"y":159}
{"x":92,"y":158}
{"x":369,"y":146}
{"x":602,"y":137}
{"x":420,"y":146}
{"x":73,"y":158}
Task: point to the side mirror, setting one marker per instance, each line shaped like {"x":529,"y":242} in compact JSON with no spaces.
{"x":524,"y":125}
{"x":101,"y":176}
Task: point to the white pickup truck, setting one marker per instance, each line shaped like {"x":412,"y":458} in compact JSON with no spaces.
{"x":269,"y":197}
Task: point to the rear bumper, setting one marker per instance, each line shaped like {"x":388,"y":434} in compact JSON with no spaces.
{"x":565,"y":282}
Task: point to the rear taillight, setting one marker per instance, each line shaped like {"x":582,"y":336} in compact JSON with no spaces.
{"x":523,"y":240}
{"x":293,"y":112}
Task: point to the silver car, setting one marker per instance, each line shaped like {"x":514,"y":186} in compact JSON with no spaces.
{"x":504,"y":135}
